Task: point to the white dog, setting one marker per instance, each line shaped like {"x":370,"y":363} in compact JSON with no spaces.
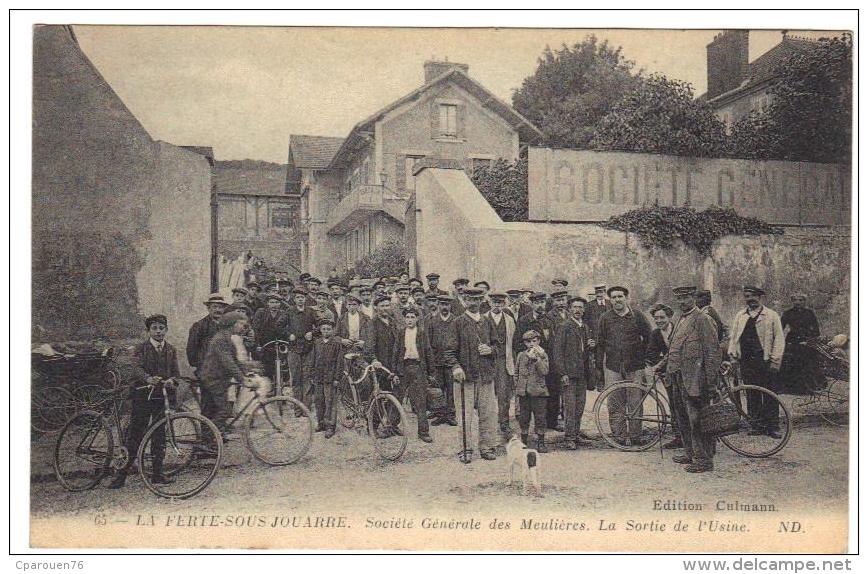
{"x":526,"y":461}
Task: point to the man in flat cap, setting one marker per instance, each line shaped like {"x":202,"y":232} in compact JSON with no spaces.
{"x":155,"y":360}
{"x":573,"y":350}
{"x":458,"y":305}
{"x":433,"y":284}
{"x":366,"y":301}
{"x":691,"y":365}
{"x":328,"y":368}
{"x":503,"y":328}
{"x":558,"y":312}
{"x":470,"y":357}
{"x":597,"y":306}
{"x":338,"y":304}
{"x":202,"y":330}
{"x":514,"y":304}
{"x":402,"y":303}
{"x":313,"y":287}
{"x":300,"y":326}
{"x":270,"y":324}
{"x":558,"y":284}
{"x":703,"y":302}
{"x":438,"y":325}
{"x":622,"y":339}
{"x":757,"y":343}
{"x":414,"y":365}
{"x":221,"y":367}
{"x":354,"y":327}
{"x":485,"y":306}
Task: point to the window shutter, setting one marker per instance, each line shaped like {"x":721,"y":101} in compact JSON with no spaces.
{"x":460,"y":117}
{"x":435,"y":119}
{"x":400,"y":173}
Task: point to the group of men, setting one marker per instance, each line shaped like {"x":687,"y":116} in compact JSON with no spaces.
{"x":487,"y":347}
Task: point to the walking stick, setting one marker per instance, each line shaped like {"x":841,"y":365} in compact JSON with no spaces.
{"x":465,"y":458}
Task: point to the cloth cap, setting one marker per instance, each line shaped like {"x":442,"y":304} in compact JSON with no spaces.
{"x":316,"y":280}
{"x":661,"y":307}
{"x":156,"y":319}
{"x":539,"y":296}
{"x":415,"y":280}
{"x":461,"y":281}
{"x":379,"y":284}
{"x":382,"y":298}
{"x":365,"y":289}
{"x":402,"y":287}
{"x":753,"y":290}
{"x":513,"y":292}
{"x":243,"y":308}
{"x":432,"y":276}
{"x":684,"y":290}
{"x":558,"y":294}
{"x":703,"y":293}
{"x":299,"y":291}
{"x":325,"y":321}
{"x":528,"y":335}
{"x":473,"y":292}
{"x":409,"y":310}
{"x":417,"y":290}
{"x":497,"y":296}
{"x":598,"y":288}
{"x":577,"y":298}
{"x":561,"y":282}
{"x":353,"y":299}
{"x":274,"y":296}
{"x":430,"y":296}
{"x":241,"y":290}
{"x":483,"y":282}
{"x":614,"y":288}
{"x":445,"y":298}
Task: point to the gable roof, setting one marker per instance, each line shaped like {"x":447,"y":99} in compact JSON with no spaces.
{"x":526,"y":130}
{"x":313,"y":152}
{"x":249,"y":177}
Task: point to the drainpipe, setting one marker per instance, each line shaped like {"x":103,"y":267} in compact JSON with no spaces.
{"x":215,"y":270}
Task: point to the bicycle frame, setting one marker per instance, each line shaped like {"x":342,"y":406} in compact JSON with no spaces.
{"x":281,"y":350}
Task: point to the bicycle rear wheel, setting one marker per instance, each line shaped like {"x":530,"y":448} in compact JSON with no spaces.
{"x":387,"y":426}
{"x":279,"y":431}
{"x":631,"y":425}
{"x":83,"y":452}
{"x":51,"y":408}
{"x":752,"y":438}
{"x":192,"y":452}
{"x":835,"y":402}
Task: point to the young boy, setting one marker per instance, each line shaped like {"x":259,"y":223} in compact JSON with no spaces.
{"x":532,"y":366}
{"x":328,"y":368}
{"x":155,"y":361}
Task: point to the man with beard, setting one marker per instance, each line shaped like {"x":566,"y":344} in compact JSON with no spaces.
{"x":557,"y":316}
{"x":203,"y":329}
{"x":460,"y":285}
{"x":502,"y":343}
{"x":485,"y":306}
{"x":470,"y":356}
{"x":573,"y":348}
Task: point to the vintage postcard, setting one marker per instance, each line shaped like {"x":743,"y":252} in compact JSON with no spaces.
{"x":441,"y":289}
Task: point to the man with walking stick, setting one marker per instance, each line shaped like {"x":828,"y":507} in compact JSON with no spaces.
{"x":470,"y":358}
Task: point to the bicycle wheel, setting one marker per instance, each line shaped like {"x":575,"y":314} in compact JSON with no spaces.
{"x":83,"y":452}
{"x":752,"y":438}
{"x":51,"y":408}
{"x":347,"y":411}
{"x":633,"y":425}
{"x":192,"y":451}
{"x":279,"y":431}
{"x":835,"y":402}
{"x":387,"y":426}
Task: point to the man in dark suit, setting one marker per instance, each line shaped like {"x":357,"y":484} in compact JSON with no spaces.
{"x":433,"y":282}
{"x":413,"y":363}
{"x":221,"y":367}
{"x":381,"y":347}
{"x":300,"y":326}
{"x":338,"y":304}
{"x":354,"y":327}
{"x":270,"y":324}
{"x":203,"y":329}
{"x":597,"y":307}
{"x":572,"y":350}
{"x":516,"y":307}
{"x":155,"y":360}
{"x":437,"y":325}
{"x":557,"y":285}
{"x":460,"y":285}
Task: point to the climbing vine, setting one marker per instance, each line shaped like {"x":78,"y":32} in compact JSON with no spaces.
{"x":660,"y":226}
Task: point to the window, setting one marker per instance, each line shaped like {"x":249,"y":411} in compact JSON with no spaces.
{"x":449,"y":120}
{"x":282,"y":217}
{"x":410,"y":162}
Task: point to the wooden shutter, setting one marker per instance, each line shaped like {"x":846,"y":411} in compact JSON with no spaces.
{"x":460,"y":117}
{"x":434,"y":110}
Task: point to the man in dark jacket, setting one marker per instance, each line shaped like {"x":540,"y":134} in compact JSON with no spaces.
{"x":470,"y":356}
{"x":414,"y":365}
{"x":438,"y":325}
{"x":300,"y":325}
{"x":221,"y":367}
{"x":203,"y":329}
{"x":801,"y":365}
{"x":270,"y":324}
{"x":460,"y":285}
{"x":433,"y":282}
{"x":622,"y":340}
{"x":573,"y":350}
{"x":557,"y":316}
{"x":155,"y":361}
{"x":597,"y":307}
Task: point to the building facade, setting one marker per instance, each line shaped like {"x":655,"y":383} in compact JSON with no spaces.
{"x":358,"y":199}
{"x":257,"y":214}
{"x":737,"y":87}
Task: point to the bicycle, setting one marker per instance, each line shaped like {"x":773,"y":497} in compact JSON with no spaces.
{"x":362,"y":399}
{"x":281,"y":364}
{"x":830,"y":396}
{"x":86,"y":449}
{"x":650,"y":420}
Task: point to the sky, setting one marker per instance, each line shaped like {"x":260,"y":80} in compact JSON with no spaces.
{"x":244,"y":90}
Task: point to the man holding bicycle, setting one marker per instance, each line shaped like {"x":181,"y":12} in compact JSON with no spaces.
{"x":155,"y":361}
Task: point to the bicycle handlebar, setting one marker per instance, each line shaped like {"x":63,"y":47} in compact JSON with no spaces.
{"x":281,"y":345}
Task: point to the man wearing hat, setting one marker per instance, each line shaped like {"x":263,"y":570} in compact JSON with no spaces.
{"x":384,"y":331}
{"x":240,"y":295}
{"x":516,"y":307}
{"x":502,"y":343}
{"x":414,"y":365}
{"x":253,"y":299}
{"x":328,"y":368}
{"x":221,"y":367}
{"x":757,"y":343}
{"x":557,"y":316}
{"x":558,"y":312}
{"x":536,"y":320}
{"x":573,"y":364}
{"x":691,"y":365}
{"x":354,"y":327}
{"x":366,"y":301}
{"x":433,"y":282}
{"x":470,"y":357}
{"x":417,"y":298}
{"x":558,"y":284}
{"x":338,"y":291}
{"x":202,"y":330}
{"x":402,"y":303}
{"x":313,"y":287}
{"x":155,"y":360}
{"x":703,"y":302}
{"x":597,"y":307}
{"x":622,"y":339}
{"x":485,"y":306}
{"x":324,"y":307}
{"x":270,"y":324}
{"x":438,"y":324}
{"x":300,"y":326}
{"x":379,"y":289}
{"x":460,"y":285}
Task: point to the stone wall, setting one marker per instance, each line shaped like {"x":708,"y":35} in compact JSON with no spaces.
{"x":459,"y":234}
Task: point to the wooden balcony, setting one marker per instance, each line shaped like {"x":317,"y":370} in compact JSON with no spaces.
{"x":359,"y":204}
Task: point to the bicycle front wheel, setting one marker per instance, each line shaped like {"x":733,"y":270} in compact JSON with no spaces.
{"x":762,"y":414}
{"x":387,"y":426}
{"x":835,"y":402}
{"x":279,"y":431}
{"x":631,"y":417}
{"x":180,"y":455}
{"x":83,"y":452}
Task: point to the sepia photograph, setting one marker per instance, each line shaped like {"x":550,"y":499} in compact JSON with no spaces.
{"x":397,"y":288}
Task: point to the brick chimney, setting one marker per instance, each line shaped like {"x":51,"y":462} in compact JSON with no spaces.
{"x":727,"y":61}
{"x":434,"y":68}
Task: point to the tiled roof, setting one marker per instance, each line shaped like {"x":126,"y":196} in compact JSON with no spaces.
{"x":313,"y":152}
{"x":249,"y":177}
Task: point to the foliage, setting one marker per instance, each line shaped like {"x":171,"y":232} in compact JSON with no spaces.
{"x":504,"y":186}
{"x":660,"y":226}
{"x":388,"y":259}
{"x":661,"y":116}
{"x":809,"y":117}
{"x":572,"y":89}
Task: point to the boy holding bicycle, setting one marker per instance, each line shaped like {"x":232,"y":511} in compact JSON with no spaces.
{"x":155,"y":360}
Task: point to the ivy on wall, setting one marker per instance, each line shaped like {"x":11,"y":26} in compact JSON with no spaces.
{"x":659,"y":226}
